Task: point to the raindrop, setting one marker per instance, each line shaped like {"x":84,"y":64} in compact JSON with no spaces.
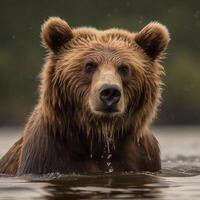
{"x":128,"y":4}
{"x":141,"y":20}
{"x":197,"y":14}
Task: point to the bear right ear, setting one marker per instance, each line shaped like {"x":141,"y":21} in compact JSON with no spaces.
{"x":55,"y":33}
{"x":153,"y":39}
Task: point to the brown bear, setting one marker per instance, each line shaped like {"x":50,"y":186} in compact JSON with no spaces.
{"x":99,"y":92}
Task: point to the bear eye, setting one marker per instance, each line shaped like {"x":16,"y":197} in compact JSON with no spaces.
{"x":123,"y":69}
{"x":90,"y":67}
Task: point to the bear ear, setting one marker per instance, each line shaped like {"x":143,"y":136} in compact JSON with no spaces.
{"x":153,"y":39}
{"x":55,"y":33}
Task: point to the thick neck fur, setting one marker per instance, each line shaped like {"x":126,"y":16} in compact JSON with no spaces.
{"x":97,"y":136}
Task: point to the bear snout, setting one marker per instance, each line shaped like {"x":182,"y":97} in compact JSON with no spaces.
{"x":107,"y":99}
{"x":109,"y":96}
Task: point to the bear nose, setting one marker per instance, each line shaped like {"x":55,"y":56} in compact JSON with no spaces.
{"x":110,"y":95}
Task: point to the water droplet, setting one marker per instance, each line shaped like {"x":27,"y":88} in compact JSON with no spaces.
{"x":108,"y":164}
{"x":109,"y":156}
{"x":110,"y":170}
{"x":91,"y":155}
{"x":149,"y":157}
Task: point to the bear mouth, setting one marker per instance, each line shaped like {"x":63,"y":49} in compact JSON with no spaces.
{"x":107,"y":111}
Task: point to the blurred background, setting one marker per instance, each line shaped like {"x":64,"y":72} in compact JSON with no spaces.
{"x":21,"y":55}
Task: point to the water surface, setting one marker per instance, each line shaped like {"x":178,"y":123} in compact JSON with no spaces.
{"x":179,"y":178}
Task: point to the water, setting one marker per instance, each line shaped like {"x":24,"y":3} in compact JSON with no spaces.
{"x":179,"y":179}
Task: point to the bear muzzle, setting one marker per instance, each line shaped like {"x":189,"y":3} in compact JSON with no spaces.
{"x":106,"y":93}
{"x":109,"y":95}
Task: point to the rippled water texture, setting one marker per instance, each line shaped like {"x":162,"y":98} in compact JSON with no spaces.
{"x":179,"y":179}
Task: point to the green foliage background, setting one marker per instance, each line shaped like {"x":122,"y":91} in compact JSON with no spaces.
{"x":21,"y":55}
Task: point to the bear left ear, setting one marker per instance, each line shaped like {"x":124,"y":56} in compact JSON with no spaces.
{"x":153,"y":39}
{"x":55,"y":33}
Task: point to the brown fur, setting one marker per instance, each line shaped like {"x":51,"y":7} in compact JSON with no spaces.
{"x":10,"y":161}
{"x":64,"y":133}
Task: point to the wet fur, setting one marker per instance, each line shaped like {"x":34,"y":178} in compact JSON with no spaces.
{"x":62,"y":134}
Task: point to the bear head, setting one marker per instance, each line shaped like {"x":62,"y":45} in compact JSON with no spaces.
{"x":104,"y":82}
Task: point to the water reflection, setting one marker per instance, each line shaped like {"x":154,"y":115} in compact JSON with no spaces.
{"x":115,"y":186}
{"x":110,"y":186}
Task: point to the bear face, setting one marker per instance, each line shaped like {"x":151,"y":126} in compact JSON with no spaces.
{"x":110,"y":80}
